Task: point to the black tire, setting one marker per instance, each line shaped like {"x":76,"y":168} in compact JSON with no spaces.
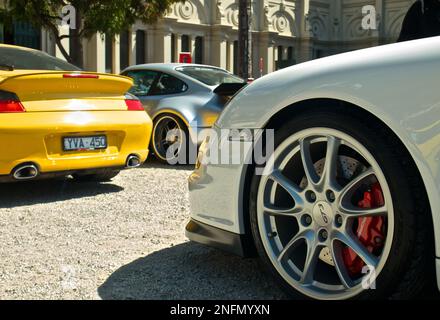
{"x":101,"y":176}
{"x":159,"y":154}
{"x":410,"y":268}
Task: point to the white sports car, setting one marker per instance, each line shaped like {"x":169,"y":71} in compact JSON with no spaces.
{"x":348,"y":204}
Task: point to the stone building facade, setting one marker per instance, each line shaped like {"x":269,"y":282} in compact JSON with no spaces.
{"x":284,"y":32}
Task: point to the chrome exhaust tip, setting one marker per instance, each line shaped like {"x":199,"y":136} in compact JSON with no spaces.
{"x":133,"y":161}
{"x":25,"y":172}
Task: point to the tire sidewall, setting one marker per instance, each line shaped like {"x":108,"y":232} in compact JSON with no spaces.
{"x":182,"y":126}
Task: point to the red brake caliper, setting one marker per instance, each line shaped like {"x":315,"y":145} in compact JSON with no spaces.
{"x":369,"y":231}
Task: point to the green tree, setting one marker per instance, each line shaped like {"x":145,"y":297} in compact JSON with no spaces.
{"x":5,"y":20}
{"x":108,"y":17}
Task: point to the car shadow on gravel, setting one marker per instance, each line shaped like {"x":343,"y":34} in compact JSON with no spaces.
{"x":190,"y":272}
{"x":14,"y":195}
{"x":154,"y":164}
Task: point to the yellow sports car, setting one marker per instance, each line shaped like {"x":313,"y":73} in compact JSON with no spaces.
{"x":56,"y":120}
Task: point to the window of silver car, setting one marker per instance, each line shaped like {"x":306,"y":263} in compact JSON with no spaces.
{"x":210,"y":76}
{"x":143,"y":81}
{"x":167,"y":85}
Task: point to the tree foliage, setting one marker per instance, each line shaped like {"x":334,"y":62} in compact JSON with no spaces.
{"x":108,"y":17}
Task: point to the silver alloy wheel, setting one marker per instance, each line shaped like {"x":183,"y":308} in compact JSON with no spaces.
{"x":323,"y":214}
{"x":167,"y":132}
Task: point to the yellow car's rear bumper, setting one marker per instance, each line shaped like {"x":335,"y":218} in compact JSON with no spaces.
{"x":37,"y":137}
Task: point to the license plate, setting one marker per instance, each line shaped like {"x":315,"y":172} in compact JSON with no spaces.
{"x":84,"y":143}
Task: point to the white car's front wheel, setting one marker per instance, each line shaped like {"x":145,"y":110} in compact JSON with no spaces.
{"x":342,"y":213}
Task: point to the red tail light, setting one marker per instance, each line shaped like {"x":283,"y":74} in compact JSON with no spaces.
{"x":9,"y":103}
{"x":80,"y":76}
{"x":134,"y":105}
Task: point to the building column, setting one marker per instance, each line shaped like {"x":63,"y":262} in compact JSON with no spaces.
{"x":132,"y":48}
{"x":256,"y":58}
{"x":160,"y":46}
{"x":156,"y":46}
{"x":380,"y":32}
{"x":150,"y":45}
{"x":116,"y":67}
{"x":192,"y":46}
{"x":305,"y":40}
{"x":219,"y":46}
{"x":275,"y":56}
{"x":167,"y":47}
{"x":63,"y":30}
{"x":305,"y":50}
{"x":207,"y":49}
{"x":336,"y":11}
{"x":94,"y":51}
{"x":223,"y":54}
{"x":230,"y":56}
{"x":268,"y":51}
{"x":47,"y":44}
{"x":178,"y":46}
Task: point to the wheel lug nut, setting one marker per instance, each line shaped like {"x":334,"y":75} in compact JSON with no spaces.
{"x":272,"y":234}
{"x":339,"y":220}
{"x":323,"y":235}
{"x":331,"y":196}
{"x":311,"y":196}
{"x":307,"y":220}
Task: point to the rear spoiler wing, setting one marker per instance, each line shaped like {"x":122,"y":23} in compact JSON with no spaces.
{"x":229,"y":89}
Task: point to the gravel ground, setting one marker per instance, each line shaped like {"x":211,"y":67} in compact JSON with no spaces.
{"x":118,"y":240}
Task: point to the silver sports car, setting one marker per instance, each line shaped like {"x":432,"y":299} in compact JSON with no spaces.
{"x":347,"y":203}
{"x":182,"y":99}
